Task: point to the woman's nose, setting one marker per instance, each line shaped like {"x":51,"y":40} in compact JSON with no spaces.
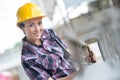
{"x":37,"y":28}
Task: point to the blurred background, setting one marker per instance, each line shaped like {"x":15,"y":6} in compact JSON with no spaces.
{"x":87,"y":26}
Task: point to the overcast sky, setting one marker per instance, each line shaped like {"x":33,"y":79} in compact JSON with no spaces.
{"x":9,"y":33}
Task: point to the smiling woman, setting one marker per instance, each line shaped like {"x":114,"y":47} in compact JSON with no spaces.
{"x":33,"y":30}
{"x":42,"y":57}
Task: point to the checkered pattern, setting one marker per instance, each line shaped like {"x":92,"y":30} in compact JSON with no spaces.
{"x":45,"y":61}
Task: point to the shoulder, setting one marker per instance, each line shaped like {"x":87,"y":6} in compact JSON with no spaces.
{"x":47,"y":31}
{"x":47,"y":34}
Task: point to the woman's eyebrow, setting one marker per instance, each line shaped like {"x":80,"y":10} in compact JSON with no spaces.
{"x":30,"y":22}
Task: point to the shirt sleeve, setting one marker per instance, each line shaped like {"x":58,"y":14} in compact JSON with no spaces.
{"x":34,"y":72}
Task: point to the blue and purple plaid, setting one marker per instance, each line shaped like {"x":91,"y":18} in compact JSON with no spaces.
{"x":45,"y":61}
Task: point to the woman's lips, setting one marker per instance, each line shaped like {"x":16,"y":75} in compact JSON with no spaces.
{"x":37,"y":34}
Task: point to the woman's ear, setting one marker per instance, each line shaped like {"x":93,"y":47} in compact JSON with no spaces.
{"x":22,"y":26}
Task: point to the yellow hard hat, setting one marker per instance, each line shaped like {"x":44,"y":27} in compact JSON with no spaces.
{"x":28,"y":11}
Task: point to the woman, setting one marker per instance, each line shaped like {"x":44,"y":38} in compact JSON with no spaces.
{"x":42,"y":57}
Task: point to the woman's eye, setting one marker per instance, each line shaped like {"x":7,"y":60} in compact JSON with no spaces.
{"x":39,"y":23}
{"x":31,"y":25}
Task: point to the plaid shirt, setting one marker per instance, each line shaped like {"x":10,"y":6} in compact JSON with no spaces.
{"x":45,"y":61}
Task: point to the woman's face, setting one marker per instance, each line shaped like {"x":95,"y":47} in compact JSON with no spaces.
{"x":33,"y":29}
